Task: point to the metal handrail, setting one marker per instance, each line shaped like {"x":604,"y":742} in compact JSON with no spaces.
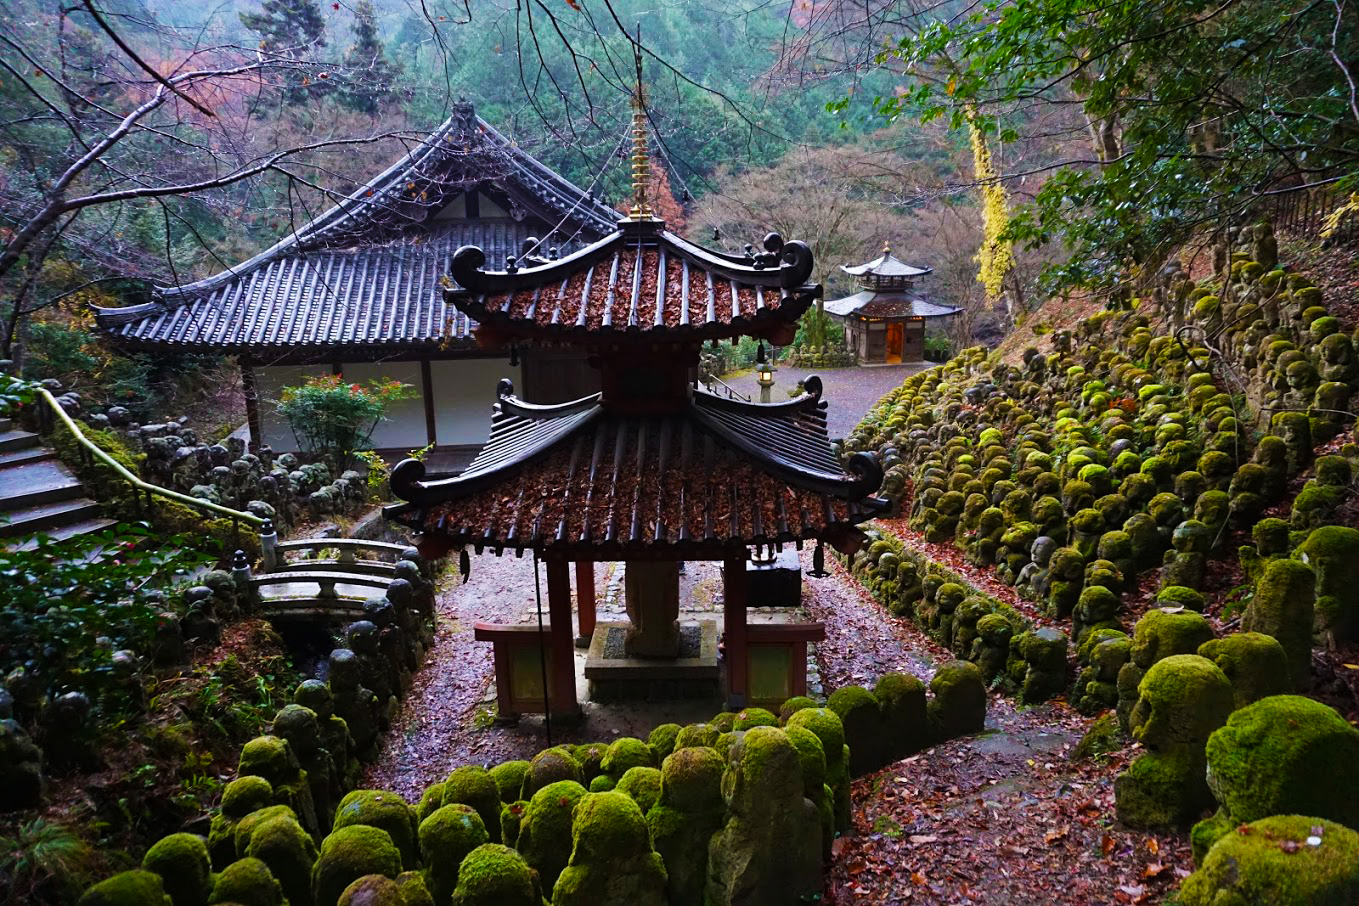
{"x":732,"y":392}
{"x":93,"y":449}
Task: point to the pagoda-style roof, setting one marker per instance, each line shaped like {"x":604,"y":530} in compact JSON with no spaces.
{"x":365,"y":274}
{"x":714,"y":475}
{"x":641,"y":281}
{"x":886,"y":265}
{"x":899,"y":304}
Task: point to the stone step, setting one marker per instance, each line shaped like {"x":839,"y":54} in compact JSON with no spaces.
{"x":84,"y":527}
{"x":31,"y":483}
{"x":47,"y":517}
{"x":31,"y":454}
{"x":14,"y":439}
{"x":6,"y":424}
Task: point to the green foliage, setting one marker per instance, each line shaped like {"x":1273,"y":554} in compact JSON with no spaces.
{"x":334,"y":419}
{"x":43,"y":860}
{"x":14,"y":394}
{"x":370,"y":78}
{"x":63,"y":596}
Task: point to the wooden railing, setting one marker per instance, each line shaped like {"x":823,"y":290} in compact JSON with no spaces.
{"x":90,"y":452}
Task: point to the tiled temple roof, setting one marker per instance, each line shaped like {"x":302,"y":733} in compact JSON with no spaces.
{"x":714,"y":474}
{"x":641,"y":280}
{"x":896,"y":304}
{"x":366,"y":272}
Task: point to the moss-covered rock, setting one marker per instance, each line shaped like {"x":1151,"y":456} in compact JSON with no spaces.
{"x":184,"y":866}
{"x":446,"y":838}
{"x":1165,"y":631}
{"x":662,"y":741}
{"x":626,"y":753}
{"x":413,"y":890}
{"x":1285,"y":754}
{"x":129,"y":888}
{"x":387,"y":812}
{"x":245,"y":828}
{"x":1280,"y":861}
{"x":682,"y":822}
{"x":547,"y":767}
{"x":602,"y":784}
{"x":432,"y":799}
{"x":590,"y":756}
{"x":495,"y":875}
{"x":748,"y":718}
{"x":1180,"y":596}
{"x":794,"y":704}
{"x":248,"y":882}
{"x":643,"y":785}
{"x":288,"y":850}
{"x":372,"y":890}
{"x":349,"y":853}
{"x":509,"y":780}
{"x":612,"y":862}
{"x":958,"y":703}
{"x":696,"y":735}
{"x":1283,"y":607}
{"x":545,"y":833}
{"x":1254,"y":662}
{"x":474,"y":786}
{"x":864,"y":731}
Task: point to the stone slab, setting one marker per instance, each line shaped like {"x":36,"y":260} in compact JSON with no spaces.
{"x":653,"y":679}
{"x":777,"y":583}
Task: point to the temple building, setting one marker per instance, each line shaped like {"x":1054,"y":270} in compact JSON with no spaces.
{"x":356,"y":292}
{"x":885,"y":320}
{"x":651,"y":470}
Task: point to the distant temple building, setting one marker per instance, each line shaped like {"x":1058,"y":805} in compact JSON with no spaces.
{"x":885,"y":320}
{"x":356,"y":292}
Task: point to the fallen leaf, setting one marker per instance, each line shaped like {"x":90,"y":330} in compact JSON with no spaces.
{"x":1106,"y":844}
{"x":1053,"y":836}
{"x":922,"y":838}
{"x":1153,"y":847}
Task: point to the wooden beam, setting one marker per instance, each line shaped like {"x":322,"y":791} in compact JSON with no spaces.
{"x":734,"y":629}
{"x":252,"y":404}
{"x":561,"y":642}
{"x":427,"y":389}
{"x":585,"y":599}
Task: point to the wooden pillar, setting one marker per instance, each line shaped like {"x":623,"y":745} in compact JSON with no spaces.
{"x":585,"y":600}
{"x":561,"y":642}
{"x":734,"y":628}
{"x":252,"y":404}
{"x":427,"y":390}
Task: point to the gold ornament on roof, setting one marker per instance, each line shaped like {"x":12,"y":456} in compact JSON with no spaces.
{"x":641,"y":161}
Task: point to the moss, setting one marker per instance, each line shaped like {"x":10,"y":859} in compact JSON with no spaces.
{"x":184,"y":866}
{"x":545,"y":834}
{"x":749,"y":718}
{"x":509,"y":779}
{"x":813,"y":760}
{"x":547,"y":767}
{"x":863,"y":727}
{"x":794,"y":704}
{"x":474,"y":786}
{"x":1207,"y":832}
{"x":432,"y":799}
{"x":1161,"y":633}
{"x":696,"y":735}
{"x":627,"y":753}
{"x":958,"y":705}
{"x":348,"y":854}
{"x":387,"y":812}
{"x":411,"y":884}
{"x":1273,"y":861}
{"x":611,"y":858}
{"x":494,"y":875}
{"x":290,"y":853}
{"x":1286,"y":754}
{"x":1179,"y":596}
{"x":1332,"y":552}
{"x":269,"y":757}
{"x":372,"y":890}
{"x":826,"y":726}
{"x":130,"y":888}
{"x":724,"y":722}
{"x":590,"y":756}
{"x":512,"y":817}
{"x":901,"y":705}
{"x":248,"y":882}
{"x":643,"y":785}
{"x":1255,"y":664}
{"x":446,"y":837}
{"x":245,"y":828}
{"x":602,"y":784}
{"x":1102,"y":738}
{"x":245,"y":795}
{"x":1162,"y":790}
{"x":662,"y":741}
{"x":1283,"y":607}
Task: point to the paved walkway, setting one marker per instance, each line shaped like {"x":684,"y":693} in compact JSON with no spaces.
{"x":850,"y":391}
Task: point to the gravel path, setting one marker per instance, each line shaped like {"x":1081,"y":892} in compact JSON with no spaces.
{"x":850,"y":391}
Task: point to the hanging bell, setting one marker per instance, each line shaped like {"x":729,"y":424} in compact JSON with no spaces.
{"x":465,"y":565}
{"x":819,"y":563}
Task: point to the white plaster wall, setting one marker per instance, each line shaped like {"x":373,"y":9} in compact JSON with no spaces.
{"x":271,"y":381}
{"x":464,"y":392}
{"x":404,"y":427}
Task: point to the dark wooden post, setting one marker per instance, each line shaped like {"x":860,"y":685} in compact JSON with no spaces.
{"x":561,"y":642}
{"x":734,"y":628}
{"x":427,"y":390}
{"x":585,"y":600}
{"x":252,"y":404}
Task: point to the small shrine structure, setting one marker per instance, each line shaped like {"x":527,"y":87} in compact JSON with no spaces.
{"x":652,"y":470}
{"x":885,"y":320}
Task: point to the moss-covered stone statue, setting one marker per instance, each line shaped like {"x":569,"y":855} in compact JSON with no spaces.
{"x":495,"y":875}
{"x":446,"y":838}
{"x":864,"y":732}
{"x":1332,"y":552}
{"x":826,"y":726}
{"x":348,"y":854}
{"x":390,"y":813}
{"x":612,"y":862}
{"x":770,"y":849}
{"x":1283,"y":860}
{"x":1283,"y":607}
{"x":690,"y":810}
{"x":283,"y":845}
{"x":1254,"y":662}
{"x":473,"y":785}
{"x":545,"y":832}
{"x":958,"y":703}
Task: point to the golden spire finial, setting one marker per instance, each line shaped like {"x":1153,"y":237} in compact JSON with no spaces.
{"x":641,"y":161}
{"x":886,"y":249}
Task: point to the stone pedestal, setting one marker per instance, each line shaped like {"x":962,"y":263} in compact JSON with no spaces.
{"x":651,"y":591}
